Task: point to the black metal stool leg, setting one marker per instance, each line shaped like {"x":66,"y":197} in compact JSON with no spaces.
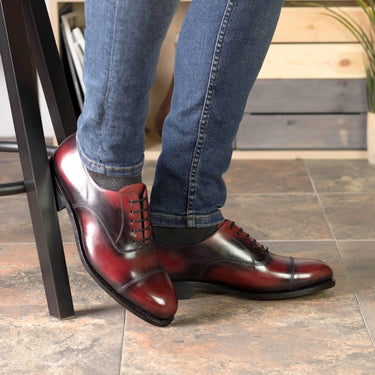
{"x":48,"y":64}
{"x":21,"y":84}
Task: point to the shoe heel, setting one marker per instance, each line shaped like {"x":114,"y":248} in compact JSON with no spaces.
{"x":184,"y":290}
{"x":60,"y":200}
{"x":59,"y":197}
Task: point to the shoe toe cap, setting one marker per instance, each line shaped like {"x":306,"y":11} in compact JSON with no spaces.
{"x":154,"y":294}
{"x":309,"y":272}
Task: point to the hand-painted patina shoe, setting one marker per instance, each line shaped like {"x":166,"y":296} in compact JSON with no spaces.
{"x":114,"y":238}
{"x":231,"y":261}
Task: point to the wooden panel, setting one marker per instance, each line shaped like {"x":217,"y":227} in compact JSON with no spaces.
{"x":310,"y":24}
{"x":313,"y":61}
{"x":261,"y":132}
{"x":307,"y":95}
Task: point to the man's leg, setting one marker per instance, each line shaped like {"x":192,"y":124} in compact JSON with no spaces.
{"x":221,"y":49}
{"x":123,"y":40}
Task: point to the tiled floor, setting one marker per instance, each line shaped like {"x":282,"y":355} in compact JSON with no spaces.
{"x":320,"y":209}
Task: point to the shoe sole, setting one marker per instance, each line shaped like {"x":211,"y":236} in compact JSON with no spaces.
{"x":62,"y":202}
{"x":186,"y":290}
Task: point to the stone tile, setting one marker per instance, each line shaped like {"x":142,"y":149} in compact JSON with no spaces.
{"x":15,"y":221}
{"x":211,"y":333}
{"x":216,"y":334}
{"x":278,"y":217}
{"x":32,"y":342}
{"x":352,"y":216}
{"x":10,"y":168}
{"x":267,"y":176}
{"x":359,"y":258}
{"x":342,"y":175}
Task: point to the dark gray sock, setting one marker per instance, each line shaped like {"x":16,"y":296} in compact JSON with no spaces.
{"x":182,"y":236}
{"x":113,"y":183}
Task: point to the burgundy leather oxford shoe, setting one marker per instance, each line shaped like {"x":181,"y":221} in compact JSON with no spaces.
{"x":231,"y":261}
{"x":114,"y":238}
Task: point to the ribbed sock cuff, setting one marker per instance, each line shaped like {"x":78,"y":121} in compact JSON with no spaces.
{"x":113,"y":183}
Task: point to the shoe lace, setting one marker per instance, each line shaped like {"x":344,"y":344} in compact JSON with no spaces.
{"x":145,"y":221}
{"x":247,"y":237}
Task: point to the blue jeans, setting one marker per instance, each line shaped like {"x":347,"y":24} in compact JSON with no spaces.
{"x":220,"y":51}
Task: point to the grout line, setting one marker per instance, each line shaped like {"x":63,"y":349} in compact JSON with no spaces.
{"x":16,"y":243}
{"x":320,"y":202}
{"x":356,"y":240}
{"x":363,"y":318}
{"x":153,"y":154}
{"x":297,"y":240}
{"x":29,"y":243}
{"x":340,"y":255}
{"x":268,"y":194}
{"x":318,"y":240}
{"x":348,"y":193}
{"x":123,"y":343}
{"x":302,"y":194}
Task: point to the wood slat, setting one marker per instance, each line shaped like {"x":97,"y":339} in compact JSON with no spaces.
{"x":345,"y":60}
{"x":311,"y":24}
{"x":262,"y":132}
{"x":307,"y":96}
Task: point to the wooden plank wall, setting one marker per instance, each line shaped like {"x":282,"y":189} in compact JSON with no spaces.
{"x":311,"y":90}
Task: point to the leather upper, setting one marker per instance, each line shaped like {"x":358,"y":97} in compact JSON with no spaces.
{"x":230,"y":257}
{"x":115,"y":234}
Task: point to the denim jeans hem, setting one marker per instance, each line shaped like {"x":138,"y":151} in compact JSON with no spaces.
{"x":198,"y":221}
{"x":130,"y":171}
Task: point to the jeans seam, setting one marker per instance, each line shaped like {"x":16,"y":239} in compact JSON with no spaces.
{"x":100,"y":151}
{"x":206,"y":112}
